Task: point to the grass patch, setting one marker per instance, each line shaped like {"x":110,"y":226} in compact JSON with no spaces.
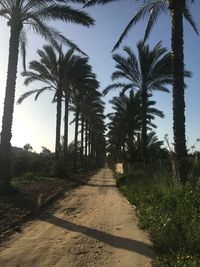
{"x":170,"y":213}
{"x":29,"y":178}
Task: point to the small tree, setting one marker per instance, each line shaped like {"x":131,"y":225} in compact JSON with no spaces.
{"x":28,"y":147}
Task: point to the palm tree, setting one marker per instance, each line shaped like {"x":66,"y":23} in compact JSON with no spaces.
{"x":92,"y":127}
{"x":88,"y":108}
{"x":148,"y":72}
{"x":154,"y":147}
{"x":178,"y":9}
{"x":52,"y":71}
{"x":76,"y":74}
{"x":126,"y":124}
{"x":96,"y":138}
{"x":71,"y":68}
{"x":84,"y":83}
{"x":22,"y":15}
{"x":67,"y":75}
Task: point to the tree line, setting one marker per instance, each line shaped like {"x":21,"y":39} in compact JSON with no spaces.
{"x":177,"y":10}
{"x":22,"y":15}
{"x":68,"y":75}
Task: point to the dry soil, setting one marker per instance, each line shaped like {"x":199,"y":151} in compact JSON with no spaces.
{"x":94,"y":225}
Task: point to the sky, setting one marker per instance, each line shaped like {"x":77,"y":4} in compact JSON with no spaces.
{"x":34,"y":121}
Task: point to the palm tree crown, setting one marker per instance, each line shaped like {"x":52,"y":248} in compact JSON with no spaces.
{"x":150,"y":9}
{"x":53,"y":71}
{"x":34,"y":15}
{"x":150,"y":71}
{"x":125,"y":125}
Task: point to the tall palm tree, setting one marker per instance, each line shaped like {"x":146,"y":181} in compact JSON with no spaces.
{"x":178,"y":9}
{"x":96,"y":133}
{"x":126,"y":122}
{"x":34,"y":15}
{"x":148,"y":72}
{"x":76,"y":74}
{"x":92,"y":127}
{"x":84,"y":83}
{"x":52,"y":71}
{"x":88,"y":107}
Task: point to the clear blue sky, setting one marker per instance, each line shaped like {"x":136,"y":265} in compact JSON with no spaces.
{"x":34,"y":122}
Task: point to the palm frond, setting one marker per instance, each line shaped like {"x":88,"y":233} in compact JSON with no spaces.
{"x":189,"y":18}
{"x":66,"y":13}
{"x":144,"y":11}
{"x":29,"y":93}
{"x":94,"y":2}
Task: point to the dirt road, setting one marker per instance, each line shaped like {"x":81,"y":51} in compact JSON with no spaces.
{"x":94,"y":225}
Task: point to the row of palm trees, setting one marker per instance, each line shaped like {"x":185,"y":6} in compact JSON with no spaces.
{"x":144,"y":73}
{"x":124,"y":129}
{"x":177,"y":9}
{"x":23,"y":16}
{"x":89,"y":117}
{"x":69,"y":76}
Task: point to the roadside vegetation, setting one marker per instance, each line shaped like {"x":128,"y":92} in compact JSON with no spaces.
{"x":169,"y":211}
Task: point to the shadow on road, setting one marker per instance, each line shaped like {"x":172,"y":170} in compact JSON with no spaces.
{"x":112,"y":240}
{"x":101,"y":185}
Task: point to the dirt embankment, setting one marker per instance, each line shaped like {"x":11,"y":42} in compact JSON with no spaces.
{"x":94,"y":225}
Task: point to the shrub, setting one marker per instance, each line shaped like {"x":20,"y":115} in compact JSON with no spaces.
{"x":171,"y":214}
{"x":20,"y":165}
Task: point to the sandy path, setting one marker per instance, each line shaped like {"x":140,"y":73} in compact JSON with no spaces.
{"x":92,"y":226}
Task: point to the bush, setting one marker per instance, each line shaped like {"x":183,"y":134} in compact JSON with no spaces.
{"x":171,"y":214}
{"x":27,"y":162}
{"x":20,"y":165}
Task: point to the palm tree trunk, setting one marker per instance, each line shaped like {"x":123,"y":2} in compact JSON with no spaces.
{"x":144,"y":97}
{"x":89,"y":145}
{"x":66,"y":127}
{"x":86,"y":143}
{"x":58,"y":124}
{"x":132,"y":147}
{"x":97,"y":158}
{"x":92,"y":147}
{"x":177,"y":44}
{"x":129,"y":145}
{"x":82,"y":139}
{"x":123,"y":150}
{"x":76,"y":139}
{"x":6,"y":133}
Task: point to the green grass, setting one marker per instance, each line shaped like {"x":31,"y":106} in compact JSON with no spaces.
{"x":24,"y":179}
{"x":170,"y":213}
{"x":28,"y":178}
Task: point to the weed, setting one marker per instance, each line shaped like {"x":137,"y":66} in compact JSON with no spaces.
{"x":171,"y":214}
